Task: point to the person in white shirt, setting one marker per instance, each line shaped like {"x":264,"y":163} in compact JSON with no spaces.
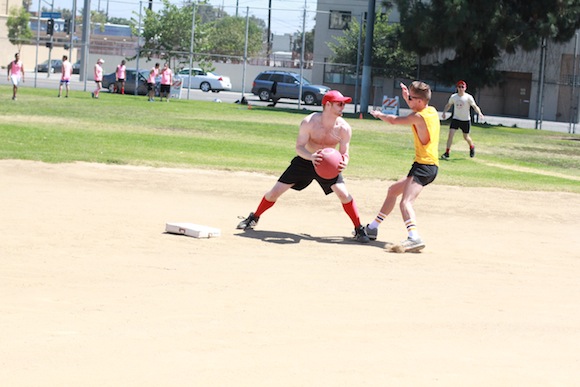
{"x":462,"y":102}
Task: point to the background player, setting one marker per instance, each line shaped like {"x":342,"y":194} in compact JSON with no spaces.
{"x":461,"y":102}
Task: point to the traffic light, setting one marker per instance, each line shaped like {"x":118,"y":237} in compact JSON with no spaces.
{"x":50,"y":26}
{"x":49,"y":45}
{"x":67,"y":25}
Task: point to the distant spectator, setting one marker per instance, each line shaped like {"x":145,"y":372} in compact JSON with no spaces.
{"x":151,"y":82}
{"x":65,"y":76}
{"x":273,"y":91}
{"x":166,"y":81}
{"x":120,"y":75}
{"x":15,"y":74}
{"x":98,"y":78}
{"x":462,"y":103}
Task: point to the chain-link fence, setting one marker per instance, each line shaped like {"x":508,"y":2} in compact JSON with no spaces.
{"x":295,"y":38}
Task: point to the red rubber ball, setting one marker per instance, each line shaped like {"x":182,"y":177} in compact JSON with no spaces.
{"x":328,"y":167}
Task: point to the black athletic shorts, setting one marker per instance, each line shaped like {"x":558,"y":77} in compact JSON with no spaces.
{"x":301,"y":172}
{"x":465,"y":126}
{"x":165,"y":88}
{"x":150,"y":86}
{"x":423,"y":174}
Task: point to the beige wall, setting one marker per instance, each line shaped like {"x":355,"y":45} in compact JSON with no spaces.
{"x":6,"y":5}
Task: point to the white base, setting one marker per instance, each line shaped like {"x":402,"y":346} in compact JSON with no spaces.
{"x":192,"y":230}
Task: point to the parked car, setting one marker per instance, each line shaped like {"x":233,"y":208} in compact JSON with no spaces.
{"x":287,"y":86}
{"x":77,"y":67}
{"x":205,"y":81}
{"x":55,"y":66}
{"x":109,"y":81}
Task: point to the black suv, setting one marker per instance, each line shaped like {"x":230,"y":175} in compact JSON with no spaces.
{"x":273,"y":85}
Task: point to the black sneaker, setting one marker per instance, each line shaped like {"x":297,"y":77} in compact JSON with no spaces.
{"x":249,"y":223}
{"x":372,"y":233}
{"x":445,"y":156}
{"x":360,"y":235}
{"x":472,"y":152}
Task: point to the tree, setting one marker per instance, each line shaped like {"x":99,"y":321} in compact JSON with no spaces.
{"x":18,"y":24}
{"x":478,"y":32}
{"x":167,"y":34}
{"x":120,"y":21}
{"x":308,"y":44}
{"x":98,"y":17}
{"x":226,"y":37}
{"x":389,"y":58}
{"x":26,"y":4}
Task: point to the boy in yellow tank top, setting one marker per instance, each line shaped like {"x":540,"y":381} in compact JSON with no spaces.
{"x":425,"y":124}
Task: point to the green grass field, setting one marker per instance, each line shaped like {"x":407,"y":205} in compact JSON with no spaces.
{"x":194,"y":134}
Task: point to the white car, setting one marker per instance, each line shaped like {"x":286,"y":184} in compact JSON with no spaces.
{"x":205,"y":81}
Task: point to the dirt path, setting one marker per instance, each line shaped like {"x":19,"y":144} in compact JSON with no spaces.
{"x":95,"y":293}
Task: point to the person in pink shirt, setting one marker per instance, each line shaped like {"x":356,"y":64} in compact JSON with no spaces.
{"x":15,"y":74}
{"x":120,"y":77}
{"x":98,"y":78}
{"x":151,"y":82}
{"x":166,"y":80}
{"x":65,"y":76}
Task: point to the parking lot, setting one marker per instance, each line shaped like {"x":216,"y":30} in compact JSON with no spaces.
{"x":44,"y":80}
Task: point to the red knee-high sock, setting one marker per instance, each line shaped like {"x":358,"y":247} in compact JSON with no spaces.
{"x":352,"y":212}
{"x":264,"y":205}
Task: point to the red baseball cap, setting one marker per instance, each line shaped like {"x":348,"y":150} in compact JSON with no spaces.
{"x":461,"y":83}
{"x":335,"y":96}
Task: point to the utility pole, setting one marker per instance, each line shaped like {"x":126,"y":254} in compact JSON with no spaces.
{"x":73,"y":26}
{"x":269,"y":48}
{"x":368,"y":57}
{"x":86,"y":40}
{"x":540,"y":101}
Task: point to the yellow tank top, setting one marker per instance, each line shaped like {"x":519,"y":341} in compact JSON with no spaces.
{"x":428,"y":154}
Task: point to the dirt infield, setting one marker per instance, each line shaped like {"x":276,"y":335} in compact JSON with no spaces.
{"x":94,"y":293}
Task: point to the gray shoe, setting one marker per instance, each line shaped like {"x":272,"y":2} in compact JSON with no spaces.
{"x":413,"y":245}
{"x":360,"y":234}
{"x":372,"y":233}
{"x":249,"y":223}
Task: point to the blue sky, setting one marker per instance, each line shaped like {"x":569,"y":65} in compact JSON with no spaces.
{"x":286,"y":15}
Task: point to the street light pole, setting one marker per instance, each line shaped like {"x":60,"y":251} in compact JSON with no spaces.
{"x":50,"y":48}
{"x":268,"y":49}
{"x":71,"y":31}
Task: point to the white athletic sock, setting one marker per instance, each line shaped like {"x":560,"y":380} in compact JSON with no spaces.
{"x":378,"y":220}
{"x":412,"y":228}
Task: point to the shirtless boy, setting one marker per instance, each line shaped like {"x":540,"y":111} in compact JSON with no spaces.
{"x":317,"y":131}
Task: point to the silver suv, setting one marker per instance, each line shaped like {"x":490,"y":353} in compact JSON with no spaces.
{"x":273,"y":85}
